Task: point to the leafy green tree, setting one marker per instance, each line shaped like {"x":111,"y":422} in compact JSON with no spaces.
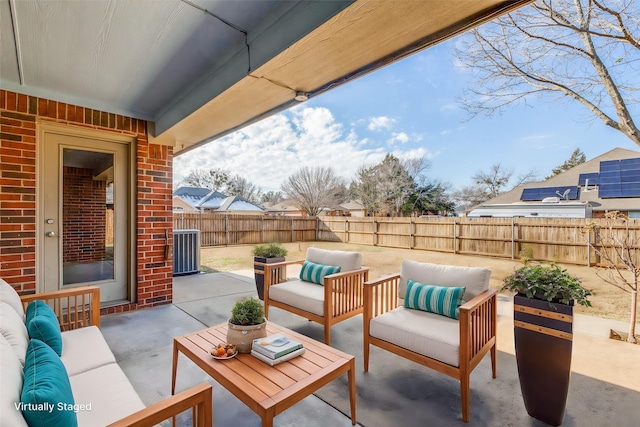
{"x":577,"y":158}
{"x":432,"y":197}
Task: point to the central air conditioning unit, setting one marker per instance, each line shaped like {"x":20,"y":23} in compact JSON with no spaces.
{"x":186,"y":252}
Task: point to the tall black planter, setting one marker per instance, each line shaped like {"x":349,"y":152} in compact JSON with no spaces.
{"x":543,"y":339}
{"x":258,"y":271}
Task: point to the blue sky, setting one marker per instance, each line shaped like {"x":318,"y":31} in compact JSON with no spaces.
{"x":409,"y":109}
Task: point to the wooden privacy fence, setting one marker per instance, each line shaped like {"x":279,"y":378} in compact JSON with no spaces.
{"x":550,"y":239}
{"x":224,"y":230}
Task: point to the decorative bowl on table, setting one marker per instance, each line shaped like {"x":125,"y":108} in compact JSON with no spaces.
{"x":223,"y":351}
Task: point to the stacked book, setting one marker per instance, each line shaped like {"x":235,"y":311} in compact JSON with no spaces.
{"x":275,"y":349}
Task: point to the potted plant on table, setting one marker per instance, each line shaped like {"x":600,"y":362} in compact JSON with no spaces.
{"x":268,"y":253}
{"x":543,"y":331}
{"x":246,"y":323}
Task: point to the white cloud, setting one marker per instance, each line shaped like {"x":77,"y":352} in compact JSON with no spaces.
{"x":381,"y":123}
{"x":396,"y":137}
{"x":267,"y":152}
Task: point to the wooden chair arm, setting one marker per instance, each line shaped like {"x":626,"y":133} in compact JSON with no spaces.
{"x":275,"y":273}
{"x":198,"y":398}
{"x":478,"y":323}
{"x":74,"y":307}
{"x":343,"y":292}
{"x":380,"y":296}
{"x":328,"y":279}
{"x":275,"y":265}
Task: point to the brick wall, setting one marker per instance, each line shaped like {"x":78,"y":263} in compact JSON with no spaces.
{"x":84,"y":216}
{"x":18,"y":116}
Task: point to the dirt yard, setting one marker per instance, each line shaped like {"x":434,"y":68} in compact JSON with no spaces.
{"x":608,"y":302}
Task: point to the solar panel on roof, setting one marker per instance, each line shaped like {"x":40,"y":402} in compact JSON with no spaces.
{"x":533,"y":194}
{"x":592,"y":177}
{"x":619,"y":178}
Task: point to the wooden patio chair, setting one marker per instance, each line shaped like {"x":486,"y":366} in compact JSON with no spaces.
{"x":451,"y":346}
{"x":332,"y":299}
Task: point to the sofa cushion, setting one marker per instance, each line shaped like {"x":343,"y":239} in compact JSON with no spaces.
{"x":13,"y":330}
{"x":11,"y":377}
{"x":306,"y":296}
{"x":475,"y":279}
{"x":443,"y":300}
{"x":85,"y":349}
{"x":46,"y":393}
{"x":108,"y":392}
{"x":314,"y":273}
{"x":347,"y":261}
{"x":42,"y":324}
{"x":429,"y":334}
{"x":11,"y":297}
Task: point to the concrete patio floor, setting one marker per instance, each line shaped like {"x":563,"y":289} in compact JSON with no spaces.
{"x":142,"y":344}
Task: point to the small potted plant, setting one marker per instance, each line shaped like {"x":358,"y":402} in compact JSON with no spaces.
{"x":268,"y":253}
{"x":246,"y":323}
{"x":543,"y":331}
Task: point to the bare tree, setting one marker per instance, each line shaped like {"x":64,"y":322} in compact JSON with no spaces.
{"x":529,"y":176}
{"x":314,"y":188}
{"x":493,"y":181}
{"x":272,"y":198}
{"x":577,"y":158}
{"x":470,"y":196}
{"x":213,"y":179}
{"x":580,"y":50}
{"x":618,"y":247}
{"x":242,"y":187}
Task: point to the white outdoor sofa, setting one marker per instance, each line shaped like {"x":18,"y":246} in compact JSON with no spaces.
{"x":93,"y":374}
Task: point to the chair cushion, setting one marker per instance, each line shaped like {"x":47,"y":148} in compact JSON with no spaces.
{"x":85,"y":349}
{"x":443,"y":300}
{"x":347,"y":261}
{"x":314,"y":273}
{"x":114,"y":399}
{"x":429,"y":334}
{"x":46,"y":393}
{"x":475,"y":279}
{"x":306,"y":296}
{"x":13,"y":330}
{"x":11,"y":377}
{"x":11,"y":297}
{"x":42,"y":324}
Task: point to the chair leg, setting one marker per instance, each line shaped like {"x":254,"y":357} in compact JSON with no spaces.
{"x":327,"y":334}
{"x":464,"y":395}
{"x":494,"y":367}
{"x":366,"y":354}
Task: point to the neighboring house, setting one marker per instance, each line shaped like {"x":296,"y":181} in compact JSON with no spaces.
{"x":200,"y":200}
{"x":355,"y":208}
{"x":608,"y":182}
{"x":285,"y":208}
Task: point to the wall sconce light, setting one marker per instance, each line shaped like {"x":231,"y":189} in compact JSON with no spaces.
{"x":301,"y":96}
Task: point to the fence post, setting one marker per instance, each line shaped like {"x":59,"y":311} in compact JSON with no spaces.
{"x":346,"y":231}
{"x":226,"y":229}
{"x":455,"y":236}
{"x":374,"y":235}
{"x":262,"y":230}
{"x":410,"y":233}
{"x":513,"y":239}
{"x":317,"y":229}
{"x":588,"y":248}
{"x":292,"y":232}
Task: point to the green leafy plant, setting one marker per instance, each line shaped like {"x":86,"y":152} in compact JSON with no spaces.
{"x":547,"y":281}
{"x":247,"y":312}
{"x":270,"y":250}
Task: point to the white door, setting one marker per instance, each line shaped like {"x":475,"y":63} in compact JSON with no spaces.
{"x":85,"y":215}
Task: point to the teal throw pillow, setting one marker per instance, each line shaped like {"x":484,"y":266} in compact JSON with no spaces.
{"x":42,"y":324}
{"x":47,"y":399}
{"x":314,"y":273}
{"x":442,"y":300}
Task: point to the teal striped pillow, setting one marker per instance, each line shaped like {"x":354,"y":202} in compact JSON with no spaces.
{"x":314,"y":273}
{"x":442,"y":300}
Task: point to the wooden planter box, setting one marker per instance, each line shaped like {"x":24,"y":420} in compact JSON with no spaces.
{"x":543,"y":340}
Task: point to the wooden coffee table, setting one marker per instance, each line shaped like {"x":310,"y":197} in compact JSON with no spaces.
{"x":267,"y":390}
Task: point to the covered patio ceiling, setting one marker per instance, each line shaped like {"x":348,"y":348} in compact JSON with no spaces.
{"x":200,"y":69}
